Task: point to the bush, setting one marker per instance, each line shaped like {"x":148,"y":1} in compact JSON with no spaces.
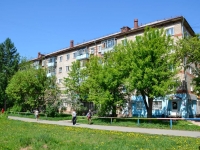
{"x":81,"y":111}
{"x":51,"y":111}
{"x":16,"y":108}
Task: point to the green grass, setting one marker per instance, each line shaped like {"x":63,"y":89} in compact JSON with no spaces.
{"x":18,"y":135}
{"x":159,"y":124}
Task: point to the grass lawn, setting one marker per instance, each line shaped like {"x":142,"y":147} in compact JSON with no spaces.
{"x":158,"y":124}
{"x":18,"y":135}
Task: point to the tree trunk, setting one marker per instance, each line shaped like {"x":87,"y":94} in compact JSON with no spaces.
{"x":130,"y":114}
{"x":149,"y":110}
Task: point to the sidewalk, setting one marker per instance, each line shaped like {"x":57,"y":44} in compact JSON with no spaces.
{"x":195,"y":134}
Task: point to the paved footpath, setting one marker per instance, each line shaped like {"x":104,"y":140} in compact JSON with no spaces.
{"x":195,"y":134}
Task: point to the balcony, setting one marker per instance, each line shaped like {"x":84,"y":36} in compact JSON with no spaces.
{"x":51,"y":64}
{"x":51,"y":74}
{"x":36,"y":67}
{"x":105,"y":50}
{"x":83,"y":56}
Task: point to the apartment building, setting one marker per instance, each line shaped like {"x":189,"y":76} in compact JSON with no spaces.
{"x":58,"y":63}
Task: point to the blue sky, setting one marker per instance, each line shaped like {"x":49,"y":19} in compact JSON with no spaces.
{"x":49,"y":25}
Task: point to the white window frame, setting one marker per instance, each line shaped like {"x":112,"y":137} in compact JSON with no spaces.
{"x":60,"y":58}
{"x":190,"y":70}
{"x":74,"y":55}
{"x":59,"y":81}
{"x":67,"y":56}
{"x":191,"y":88}
{"x":167,"y":29}
{"x":43,"y":62}
{"x":60,"y":69}
{"x":67,"y":68}
{"x":92,"y":50}
{"x":99,"y":48}
{"x":139,"y":105}
{"x":157,"y":105}
{"x":124,"y":41}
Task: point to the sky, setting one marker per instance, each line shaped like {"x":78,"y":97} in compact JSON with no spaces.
{"x":46,"y":26}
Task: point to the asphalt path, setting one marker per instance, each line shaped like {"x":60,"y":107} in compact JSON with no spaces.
{"x":195,"y":134}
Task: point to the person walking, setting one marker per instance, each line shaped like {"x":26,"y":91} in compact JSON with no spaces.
{"x":2,"y":110}
{"x":36,"y":114}
{"x":89,"y":116}
{"x":74,"y":117}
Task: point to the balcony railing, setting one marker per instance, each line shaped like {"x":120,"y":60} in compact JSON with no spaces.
{"x":105,"y":50}
{"x":51,"y":64}
{"x":51,"y":74}
{"x":83,"y":56}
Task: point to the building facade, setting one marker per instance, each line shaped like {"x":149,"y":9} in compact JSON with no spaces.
{"x":58,"y":63}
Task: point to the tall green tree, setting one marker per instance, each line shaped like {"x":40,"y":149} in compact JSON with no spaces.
{"x":153,"y":66}
{"x":9,"y":60}
{"x":31,"y":88}
{"x":189,"y":53}
{"x":75,"y":95}
{"x":104,"y":83}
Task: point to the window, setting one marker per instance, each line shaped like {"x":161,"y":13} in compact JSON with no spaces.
{"x":191,"y":88}
{"x":59,"y":81}
{"x":190,"y":69}
{"x":170,"y":31}
{"x":99,"y":49}
{"x":138,"y":105}
{"x":60,"y":70}
{"x":108,"y":43}
{"x":92,"y":50}
{"x":50,"y":60}
{"x":174,"y":105}
{"x":60,"y":58}
{"x":67,"y":56}
{"x":157,"y":105}
{"x":43,"y":62}
{"x":67,"y":68}
{"x":82,"y":63}
{"x":74,"y":55}
{"x":124,"y":42}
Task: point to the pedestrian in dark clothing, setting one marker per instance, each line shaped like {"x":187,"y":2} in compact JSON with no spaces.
{"x":74,"y":117}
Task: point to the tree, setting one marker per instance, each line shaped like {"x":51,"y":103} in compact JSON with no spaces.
{"x":75,"y":95}
{"x":189,"y":53}
{"x":150,"y":59}
{"x":9,"y":60}
{"x":31,"y":88}
{"x":104,"y":83}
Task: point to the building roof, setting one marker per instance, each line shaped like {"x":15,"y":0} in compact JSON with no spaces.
{"x":141,"y":28}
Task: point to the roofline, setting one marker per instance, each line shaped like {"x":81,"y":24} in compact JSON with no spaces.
{"x":118,"y":34}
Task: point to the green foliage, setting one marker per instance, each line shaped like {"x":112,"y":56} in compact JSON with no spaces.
{"x":31,"y":88}
{"x":144,"y":65}
{"x":9,"y":59}
{"x":189,"y":53}
{"x":75,"y":95}
{"x":51,"y":111}
{"x":149,"y":58}
{"x":16,"y":108}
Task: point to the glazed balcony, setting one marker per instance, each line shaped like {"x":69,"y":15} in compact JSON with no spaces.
{"x":51,"y":64}
{"x":83,"y":56}
{"x":50,"y":74}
